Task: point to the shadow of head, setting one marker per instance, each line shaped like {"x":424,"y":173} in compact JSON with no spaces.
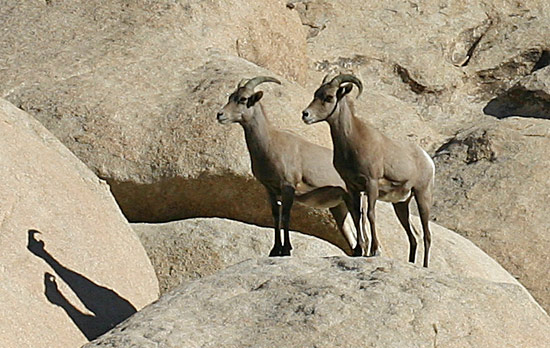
{"x":107,"y":306}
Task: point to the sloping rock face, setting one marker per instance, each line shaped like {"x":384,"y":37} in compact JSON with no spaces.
{"x":470,"y":70}
{"x":335,"y":302}
{"x":70,"y":264}
{"x":494,"y":188}
{"x":195,"y":248}
{"x":135,"y":97}
{"x":132,"y":89}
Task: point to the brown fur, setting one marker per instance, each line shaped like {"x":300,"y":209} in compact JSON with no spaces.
{"x":288,"y":166}
{"x":371,"y":163}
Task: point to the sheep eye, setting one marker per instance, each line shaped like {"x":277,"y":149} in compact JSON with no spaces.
{"x":242,"y":100}
{"x":328,"y":98}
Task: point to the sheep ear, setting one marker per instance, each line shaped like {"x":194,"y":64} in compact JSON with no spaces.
{"x":342,"y":91}
{"x":254,"y":98}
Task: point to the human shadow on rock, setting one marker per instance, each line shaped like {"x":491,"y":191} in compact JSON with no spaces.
{"x":108,"y":308}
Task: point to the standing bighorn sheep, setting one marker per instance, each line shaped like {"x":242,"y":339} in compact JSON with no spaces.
{"x":288,"y":166}
{"x":371,"y":163}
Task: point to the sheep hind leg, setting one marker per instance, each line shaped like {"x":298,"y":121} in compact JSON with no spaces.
{"x":424,"y":202}
{"x":345,"y":224}
{"x":369,"y":199}
{"x":402,"y":211}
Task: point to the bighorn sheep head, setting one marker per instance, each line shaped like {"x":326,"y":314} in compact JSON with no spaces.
{"x":239,"y":105}
{"x":326,"y":98}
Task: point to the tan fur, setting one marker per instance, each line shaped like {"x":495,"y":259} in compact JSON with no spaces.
{"x":371,"y":163}
{"x":288,"y":166}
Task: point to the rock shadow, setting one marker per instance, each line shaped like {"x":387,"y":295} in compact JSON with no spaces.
{"x":519,"y":101}
{"x":108,"y":308}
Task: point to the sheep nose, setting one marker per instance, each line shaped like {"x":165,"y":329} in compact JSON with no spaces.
{"x":305,"y":114}
{"x":219,"y":115}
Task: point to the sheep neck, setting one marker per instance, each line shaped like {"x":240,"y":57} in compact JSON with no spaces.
{"x":256,"y":132}
{"x":341,"y":122}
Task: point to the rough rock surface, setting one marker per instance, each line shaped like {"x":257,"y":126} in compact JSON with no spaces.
{"x":132,"y":88}
{"x":445,"y":59}
{"x":493,"y":188}
{"x":69,"y":258}
{"x":195,"y":248}
{"x":70,"y":264}
{"x":335,"y":302}
{"x":136,"y":93}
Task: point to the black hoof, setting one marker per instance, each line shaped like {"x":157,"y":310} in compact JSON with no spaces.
{"x":275,"y":252}
{"x":357,"y":251}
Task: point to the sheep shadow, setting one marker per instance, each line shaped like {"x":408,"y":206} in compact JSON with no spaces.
{"x":108,"y":308}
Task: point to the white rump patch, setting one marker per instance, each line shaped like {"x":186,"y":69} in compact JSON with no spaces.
{"x":431,"y":161}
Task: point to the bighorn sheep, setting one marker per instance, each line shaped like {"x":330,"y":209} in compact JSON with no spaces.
{"x":289,"y":167}
{"x":371,"y":163}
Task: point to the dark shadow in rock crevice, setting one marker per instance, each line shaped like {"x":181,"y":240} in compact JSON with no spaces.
{"x":543,"y":61}
{"x":519,"y":101}
{"x":108,"y":308}
{"x":229,"y":196}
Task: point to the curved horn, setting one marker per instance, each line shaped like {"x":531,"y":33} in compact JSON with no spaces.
{"x":325,"y":79}
{"x":242,"y":83}
{"x":338,"y":80}
{"x":253,"y":82}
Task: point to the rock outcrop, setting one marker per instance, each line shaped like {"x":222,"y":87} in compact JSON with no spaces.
{"x":493,"y":188}
{"x":135,"y":97}
{"x":480,"y":76}
{"x":132,"y":90}
{"x":335,"y":302}
{"x":71,"y":266}
{"x":195,"y":248}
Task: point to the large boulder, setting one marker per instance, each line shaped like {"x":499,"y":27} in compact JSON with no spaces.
{"x":443,"y":59}
{"x":194,"y":248}
{"x":71,"y":266}
{"x":135,"y":98}
{"x":493,"y":188}
{"x":335,"y":302}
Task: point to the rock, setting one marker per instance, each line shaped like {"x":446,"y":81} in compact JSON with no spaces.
{"x":68,"y":259}
{"x":529,"y":97}
{"x":442,"y":59}
{"x":492,"y":188}
{"x":195,"y":248}
{"x":136,"y":96}
{"x":458,"y":67}
{"x":335,"y":302}
{"x":136,"y":100}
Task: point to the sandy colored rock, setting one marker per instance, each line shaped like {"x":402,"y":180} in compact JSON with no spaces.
{"x":457,"y":65}
{"x":132,"y":89}
{"x":335,"y":302}
{"x":69,"y":262}
{"x":195,"y":248}
{"x":493,"y":189}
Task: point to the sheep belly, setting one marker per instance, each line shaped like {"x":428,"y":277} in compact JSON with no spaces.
{"x":389,"y":192}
